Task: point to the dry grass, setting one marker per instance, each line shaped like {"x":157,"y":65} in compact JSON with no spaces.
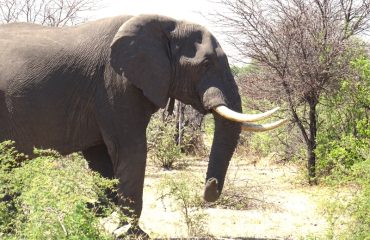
{"x":261,"y":200}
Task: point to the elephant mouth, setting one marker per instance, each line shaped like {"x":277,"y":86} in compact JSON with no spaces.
{"x":246,"y":119}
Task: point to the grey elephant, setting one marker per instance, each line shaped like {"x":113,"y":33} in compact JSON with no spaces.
{"x":94,"y":87}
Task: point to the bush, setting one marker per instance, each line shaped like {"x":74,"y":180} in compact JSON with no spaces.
{"x":343,"y":153}
{"x":50,"y":197}
{"x":184,"y":191}
{"x":162,"y":143}
{"x":338,"y":156}
{"x":344,"y":136}
{"x":348,"y":210}
{"x":262,"y":144}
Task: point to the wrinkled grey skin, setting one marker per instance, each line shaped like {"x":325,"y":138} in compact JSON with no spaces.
{"x":94,"y":87}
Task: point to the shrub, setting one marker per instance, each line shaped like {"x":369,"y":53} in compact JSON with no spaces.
{"x":50,"y":196}
{"x":261,"y":144}
{"x":162,"y":143}
{"x":343,"y":136}
{"x":165,"y":146}
{"x":343,"y":152}
{"x":338,"y":156}
{"x":184,"y":189}
{"x":348,"y":210}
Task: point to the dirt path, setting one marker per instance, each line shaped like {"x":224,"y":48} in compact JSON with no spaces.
{"x":279,"y":207}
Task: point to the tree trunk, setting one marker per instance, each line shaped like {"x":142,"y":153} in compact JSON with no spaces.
{"x":180,"y":108}
{"x":311,"y":145}
{"x":189,"y":121}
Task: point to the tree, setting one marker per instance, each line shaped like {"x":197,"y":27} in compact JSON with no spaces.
{"x":300,"y":50}
{"x":55,"y":13}
{"x":344,"y":135}
{"x":189,"y":124}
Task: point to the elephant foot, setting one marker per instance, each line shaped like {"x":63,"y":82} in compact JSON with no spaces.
{"x":137,"y":233}
{"x":131,"y":232}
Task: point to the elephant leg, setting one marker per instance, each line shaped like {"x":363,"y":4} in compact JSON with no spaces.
{"x":130,"y":170}
{"x":131,"y":180}
{"x":123,"y":128}
{"x":100,"y":161}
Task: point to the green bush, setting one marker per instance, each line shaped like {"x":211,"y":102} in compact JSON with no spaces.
{"x":162,"y":143}
{"x":343,"y":153}
{"x":167,"y":144}
{"x":262,"y":144}
{"x":348,"y":210}
{"x":50,"y":196}
{"x":184,"y":189}
{"x":338,"y":156}
{"x":343,"y":138}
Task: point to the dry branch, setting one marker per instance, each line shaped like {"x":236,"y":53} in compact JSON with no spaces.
{"x":300,"y":49}
{"x":56,"y":13}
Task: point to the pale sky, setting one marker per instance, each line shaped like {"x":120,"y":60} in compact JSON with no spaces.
{"x":179,"y":9}
{"x":190,"y":10}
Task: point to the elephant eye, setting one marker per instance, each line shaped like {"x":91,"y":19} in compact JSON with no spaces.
{"x":206,"y":63}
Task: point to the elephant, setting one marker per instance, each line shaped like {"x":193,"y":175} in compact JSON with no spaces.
{"x":94,"y":87}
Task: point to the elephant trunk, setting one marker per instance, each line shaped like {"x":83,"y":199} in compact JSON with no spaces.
{"x":225,"y":139}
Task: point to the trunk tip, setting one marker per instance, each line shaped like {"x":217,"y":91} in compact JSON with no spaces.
{"x":211,"y":192}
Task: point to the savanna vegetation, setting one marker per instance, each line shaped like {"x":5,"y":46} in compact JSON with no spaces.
{"x":51,"y":197}
{"x":307,"y":56}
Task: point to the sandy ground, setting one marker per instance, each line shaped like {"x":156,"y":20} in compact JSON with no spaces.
{"x":281,"y":207}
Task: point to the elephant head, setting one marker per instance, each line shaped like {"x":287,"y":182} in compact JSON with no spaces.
{"x":168,"y":58}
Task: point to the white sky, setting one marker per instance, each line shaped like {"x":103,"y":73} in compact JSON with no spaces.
{"x":178,"y":9}
{"x":190,"y":10}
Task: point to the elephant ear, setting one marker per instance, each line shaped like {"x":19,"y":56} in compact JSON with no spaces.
{"x":140,"y":51}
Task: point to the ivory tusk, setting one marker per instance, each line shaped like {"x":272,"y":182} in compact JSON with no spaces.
{"x":251,"y":127}
{"x":241,"y":117}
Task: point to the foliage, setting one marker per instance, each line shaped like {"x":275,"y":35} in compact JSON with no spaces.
{"x":348,"y":210}
{"x":209,"y":129}
{"x":189,"y":124}
{"x":300,"y":49}
{"x":238,"y":71}
{"x":184,"y":191}
{"x":344,"y":135}
{"x":50,"y":196}
{"x":344,"y":154}
{"x":262,"y":144}
{"x":162,"y":144}
{"x":9,"y":160}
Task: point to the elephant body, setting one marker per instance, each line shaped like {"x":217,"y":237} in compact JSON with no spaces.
{"x":59,"y":91}
{"x":53,"y":93}
{"x":94,"y":87}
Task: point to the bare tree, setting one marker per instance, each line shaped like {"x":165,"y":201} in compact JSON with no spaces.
{"x":189,"y":123}
{"x":299,"y":49}
{"x":46,"y":12}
